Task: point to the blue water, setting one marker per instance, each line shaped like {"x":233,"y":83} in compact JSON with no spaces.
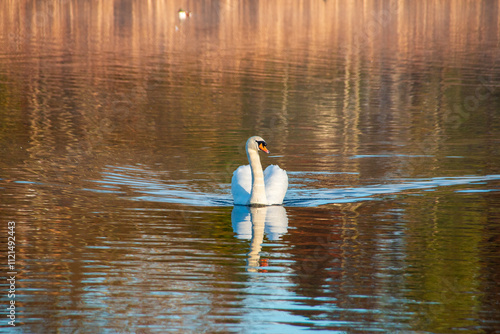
{"x":147,"y":185}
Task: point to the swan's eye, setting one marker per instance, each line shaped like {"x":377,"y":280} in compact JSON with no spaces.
{"x":262,"y":146}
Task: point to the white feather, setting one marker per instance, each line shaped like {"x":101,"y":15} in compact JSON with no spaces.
{"x":276,"y":182}
{"x":241,"y":185}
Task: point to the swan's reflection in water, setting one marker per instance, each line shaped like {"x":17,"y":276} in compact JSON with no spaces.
{"x":253,"y":222}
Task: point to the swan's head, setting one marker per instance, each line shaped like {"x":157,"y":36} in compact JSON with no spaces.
{"x":256,"y":143}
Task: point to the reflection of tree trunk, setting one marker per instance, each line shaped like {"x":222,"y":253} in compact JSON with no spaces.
{"x":258,"y":222}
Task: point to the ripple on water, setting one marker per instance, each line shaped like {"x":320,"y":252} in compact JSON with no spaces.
{"x":149,"y":186}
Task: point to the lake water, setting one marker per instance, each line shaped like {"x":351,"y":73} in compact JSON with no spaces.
{"x":121,"y":125}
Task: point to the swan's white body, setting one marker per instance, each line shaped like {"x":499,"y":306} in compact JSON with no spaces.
{"x":252,"y":186}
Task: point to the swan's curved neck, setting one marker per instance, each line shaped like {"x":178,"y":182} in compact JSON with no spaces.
{"x":258,"y":195}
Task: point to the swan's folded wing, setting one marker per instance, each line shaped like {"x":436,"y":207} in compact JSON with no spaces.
{"x":241,"y":185}
{"x":276,"y":182}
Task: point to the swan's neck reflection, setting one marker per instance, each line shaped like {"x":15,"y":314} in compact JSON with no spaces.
{"x":253,"y":222}
{"x":258,"y":218}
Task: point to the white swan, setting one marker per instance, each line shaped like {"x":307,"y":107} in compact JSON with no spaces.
{"x":251,"y":186}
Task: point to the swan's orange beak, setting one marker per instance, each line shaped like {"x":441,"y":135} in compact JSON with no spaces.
{"x":263,"y":147}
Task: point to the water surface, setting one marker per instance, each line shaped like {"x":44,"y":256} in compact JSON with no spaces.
{"x":121,"y":125}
